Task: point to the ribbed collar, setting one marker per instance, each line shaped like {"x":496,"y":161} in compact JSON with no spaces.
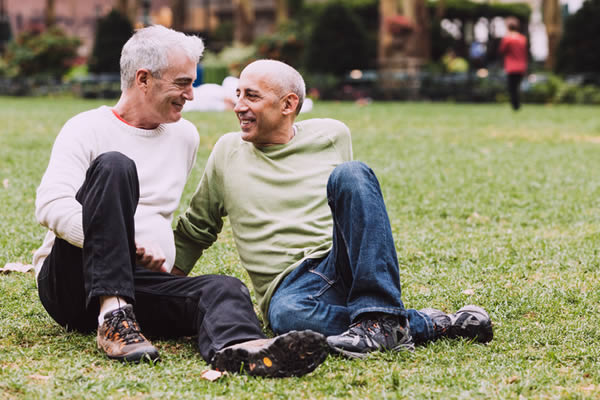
{"x":123,"y":126}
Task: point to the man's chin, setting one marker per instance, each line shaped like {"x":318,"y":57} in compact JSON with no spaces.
{"x":247,"y":136}
{"x":174,"y":117}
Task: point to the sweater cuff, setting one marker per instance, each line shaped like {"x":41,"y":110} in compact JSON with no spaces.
{"x":187,"y":252}
{"x":75,"y":235}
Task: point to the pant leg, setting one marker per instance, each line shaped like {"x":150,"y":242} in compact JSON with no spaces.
{"x":310,"y":297}
{"x":359,"y":275}
{"x":364,"y":252}
{"x":216,"y":308}
{"x":514,"y":83}
{"x":72,"y":279}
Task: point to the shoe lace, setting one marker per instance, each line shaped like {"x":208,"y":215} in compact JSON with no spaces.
{"x":124,"y":328}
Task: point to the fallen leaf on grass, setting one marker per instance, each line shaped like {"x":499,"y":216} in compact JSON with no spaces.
{"x":513,"y":379}
{"x":211,"y":375}
{"x":39,"y":377}
{"x":5,"y":183}
{"x":589,"y":388}
{"x":16,"y":267}
{"x":475,"y":218}
{"x":469,"y":292}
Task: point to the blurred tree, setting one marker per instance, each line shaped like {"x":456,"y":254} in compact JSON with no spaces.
{"x":579,"y":49}
{"x":243,"y":20}
{"x":552,"y":17}
{"x":5,"y":31}
{"x":128,"y":8}
{"x":112,"y":31}
{"x":50,"y":16}
{"x":338,"y":42}
{"x":281,"y":11}
{"x":179,"y":10}
{"x":419,"y":42}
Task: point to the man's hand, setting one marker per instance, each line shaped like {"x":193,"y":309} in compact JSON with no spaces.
{"x":177,"y":271}
{"x":151,"y":256}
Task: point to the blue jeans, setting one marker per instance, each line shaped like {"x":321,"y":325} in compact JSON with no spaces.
{"x":359,"y":275}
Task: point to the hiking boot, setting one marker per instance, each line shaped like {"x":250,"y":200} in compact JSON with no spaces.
{"x":470,"y":322}
{"x":295,"y":353}
{"x":368,"y":335}
{"x":120,"y":338}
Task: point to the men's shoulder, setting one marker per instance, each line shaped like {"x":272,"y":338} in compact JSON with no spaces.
{"x":84,"y":125}
{"x":324,"y":126}
{"x":229,"y":141}
{"x":88,"y":116}
{"x":185,"y":128}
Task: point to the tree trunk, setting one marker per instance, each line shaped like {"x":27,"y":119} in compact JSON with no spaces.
{"x":281,"y":11}
{"x":387,"y":8}
{"x":243,"y":19}
{"x":179,"y":10}
{"x":127,"y":9}
{"x":552,"y":18}
{"x":50,"y":17}
{"x":419,"y":44}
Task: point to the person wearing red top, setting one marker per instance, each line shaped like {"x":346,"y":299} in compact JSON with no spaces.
{"x":514,"y":49}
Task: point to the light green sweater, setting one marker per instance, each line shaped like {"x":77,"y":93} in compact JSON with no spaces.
{"x":276,"y":200}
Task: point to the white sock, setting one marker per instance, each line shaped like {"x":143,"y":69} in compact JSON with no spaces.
{"x":108,"y":304}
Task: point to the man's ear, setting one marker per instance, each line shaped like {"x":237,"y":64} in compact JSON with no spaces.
{"x":290,"y":103}
{"x":142,"y":77}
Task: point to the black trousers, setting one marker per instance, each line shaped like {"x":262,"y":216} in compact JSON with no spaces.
{"x":514,"y":83}
{"x":216,"y":308}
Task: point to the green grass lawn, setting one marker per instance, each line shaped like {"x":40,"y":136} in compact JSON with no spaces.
{"x":487,"y":206}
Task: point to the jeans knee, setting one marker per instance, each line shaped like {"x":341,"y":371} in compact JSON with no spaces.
{"x":289,"y":313}
{"x":278,"y":318}
{"x":349,"y":175}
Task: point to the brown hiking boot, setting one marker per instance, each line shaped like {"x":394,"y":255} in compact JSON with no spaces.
{"x":120,"y":337}
{"x":291,"y":354}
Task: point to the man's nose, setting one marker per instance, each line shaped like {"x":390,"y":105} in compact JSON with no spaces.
{"x":240,"y":105}
{"x":188,"y":93}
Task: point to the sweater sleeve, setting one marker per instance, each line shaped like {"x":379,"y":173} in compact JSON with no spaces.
{"x":342,"y":142}
{"x":56,"y":206}
{"x":197,"y":229}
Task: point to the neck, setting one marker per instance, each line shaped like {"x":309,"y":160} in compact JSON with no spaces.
{"x":131,"y":111}
{"x":282,"y":137}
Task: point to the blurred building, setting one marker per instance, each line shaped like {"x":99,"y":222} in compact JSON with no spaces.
{"x":78,"y":17}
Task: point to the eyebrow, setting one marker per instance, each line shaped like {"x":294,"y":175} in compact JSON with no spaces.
{"x":250,"y":91}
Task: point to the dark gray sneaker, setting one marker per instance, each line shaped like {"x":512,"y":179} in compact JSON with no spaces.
{"x":368,"y":335}
{"x":120,"y":337}
{"x":471,"y":322}
{"x":295,"y":353}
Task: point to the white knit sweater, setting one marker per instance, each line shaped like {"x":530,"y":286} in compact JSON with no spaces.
{"x":163,"y":156}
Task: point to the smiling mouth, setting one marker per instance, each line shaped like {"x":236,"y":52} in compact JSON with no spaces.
{"x":245,"y":122}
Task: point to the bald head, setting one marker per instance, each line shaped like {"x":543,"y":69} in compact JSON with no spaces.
{"x":281,"y":77}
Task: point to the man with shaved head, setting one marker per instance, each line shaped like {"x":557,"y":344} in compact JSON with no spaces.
{"x":310,"y":225}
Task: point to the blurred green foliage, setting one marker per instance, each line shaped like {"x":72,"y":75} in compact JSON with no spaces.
{"x":35,"y":54}
{"x":579,"y":49}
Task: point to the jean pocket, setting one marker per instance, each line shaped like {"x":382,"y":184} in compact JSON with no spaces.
{"x":327,"y":282}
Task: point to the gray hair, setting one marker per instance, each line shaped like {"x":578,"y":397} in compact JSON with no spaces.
{"x":284,"y":77}
{"x":150,"y":48}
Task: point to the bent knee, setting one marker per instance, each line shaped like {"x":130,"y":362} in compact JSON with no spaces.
{"x":287,"y":314}
{"x":114,"y":159}
{"x":230,"y":286}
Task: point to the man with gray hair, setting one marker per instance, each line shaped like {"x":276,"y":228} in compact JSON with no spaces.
{"x":115,"y":177}
{"x":310,"y":225}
